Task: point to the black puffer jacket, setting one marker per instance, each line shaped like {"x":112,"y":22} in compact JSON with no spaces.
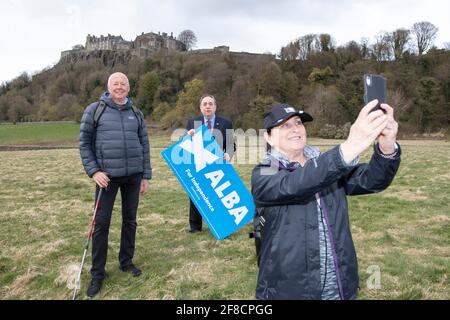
{"x":290,"y":260}
{"x":121,"y":143}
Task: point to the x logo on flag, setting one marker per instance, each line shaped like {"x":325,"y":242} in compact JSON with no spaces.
{"x":201,"y":155}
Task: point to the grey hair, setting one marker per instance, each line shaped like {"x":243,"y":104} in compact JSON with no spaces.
{"x":118,"y":74}
{"x":205,"y":96}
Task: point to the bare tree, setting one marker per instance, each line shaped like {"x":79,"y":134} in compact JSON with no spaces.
{"x":188,"y":38}
{"x":364,"y":48}
{"x":398,"y":41}
{"x":304,"y":46}
{"x":425,"y":33}
{"x":326,"y":42}
{"x":291,"y":51}
{"x":353,"y":50}
{"x":18,"y":107}
{"x":308,"y":44}
{"x":381,"y":48}
{"x":447,"y":45}
{"x":21,"y":81}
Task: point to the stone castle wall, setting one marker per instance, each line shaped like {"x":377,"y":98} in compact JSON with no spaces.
{"x":142,"y":46}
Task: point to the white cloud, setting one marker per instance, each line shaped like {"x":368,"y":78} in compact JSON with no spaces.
{"x":34,"y":33}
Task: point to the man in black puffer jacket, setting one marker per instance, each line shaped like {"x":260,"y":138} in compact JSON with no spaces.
{"x":115,"y":152}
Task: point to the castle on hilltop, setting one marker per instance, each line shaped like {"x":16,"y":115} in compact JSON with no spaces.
{"x":142,"y":46}
{"x":115,"y":48}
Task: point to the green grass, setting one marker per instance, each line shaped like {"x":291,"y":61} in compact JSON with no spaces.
{"x":61,"y":133}
{"x":46,"y":204}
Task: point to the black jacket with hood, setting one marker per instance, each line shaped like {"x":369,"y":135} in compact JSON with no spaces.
{"x":289,"y":254}
{"x":121,"y":147}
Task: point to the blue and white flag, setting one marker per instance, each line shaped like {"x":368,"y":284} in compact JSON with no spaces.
{"x":213,"y":185}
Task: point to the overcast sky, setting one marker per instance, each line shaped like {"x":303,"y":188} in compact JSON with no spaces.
{"x":33,"y":33}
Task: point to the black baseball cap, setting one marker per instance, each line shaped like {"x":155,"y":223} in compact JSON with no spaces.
{"x":280,"y":113}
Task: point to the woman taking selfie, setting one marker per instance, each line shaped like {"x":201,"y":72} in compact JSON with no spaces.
{"x":302,"y":226}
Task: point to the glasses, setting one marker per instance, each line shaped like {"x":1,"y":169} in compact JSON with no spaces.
{"x":287,"y":126}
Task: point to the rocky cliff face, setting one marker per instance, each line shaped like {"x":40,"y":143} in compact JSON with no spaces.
{"x":109,"y":58}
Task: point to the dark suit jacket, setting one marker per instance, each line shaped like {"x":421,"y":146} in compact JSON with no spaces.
{"x":221,"y":125}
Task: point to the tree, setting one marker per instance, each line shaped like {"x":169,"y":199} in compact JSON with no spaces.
{"x":322,"y":76}
{"x":241,"y":93}
{"x":427,"y":101}
{"x":18,"y":106}
{"x":21,"y":81}
{"x":46,"y":111}
{"x":326,"y":43}
{"x":322,"y":102}
{"x":218,"y":79}
{"x":271,"y":81}
{"x":60,"y":86}
{"x":308,"y":44}
{"x":290,"y":52}
{"x":194,"y":65}
{"x":67,"y":108}
{"x":347,"y":54}
{"x":188,"y":38}
{"x":160,"y":110}
{"x":187,"y":105}
{"x":364,"y":48}
{"x":257,"y":107}
{"x":350,"y":87}
{"x":304,"y":46}
{"x":425,"y":33}
{"x":3,"y":107}
{"x":381,"y":49}
{"x":90,"y":82}
{"x":289,"y":88}
{"x":398,"y":41}
{"x":5,"y":87}
{"x":148,"y":86}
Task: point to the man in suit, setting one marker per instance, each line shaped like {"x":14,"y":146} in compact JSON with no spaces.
{"x":220,"y":127}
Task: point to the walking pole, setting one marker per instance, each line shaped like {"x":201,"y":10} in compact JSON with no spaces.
{"x":86,"y":246}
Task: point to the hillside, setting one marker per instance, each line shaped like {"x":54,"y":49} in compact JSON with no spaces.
{"x":167,"y":85}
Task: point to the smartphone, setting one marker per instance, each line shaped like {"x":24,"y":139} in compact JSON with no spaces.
{"x":375,"y":87}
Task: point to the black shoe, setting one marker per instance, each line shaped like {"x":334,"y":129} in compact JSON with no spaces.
{"x":132,"y":269}
{"x":94,"y":288}
{"x":193,"y":231}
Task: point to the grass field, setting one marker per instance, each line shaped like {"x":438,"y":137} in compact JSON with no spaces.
{"x":58,"y":134}
{"x":61,"y":133}
{"x":46,"y":204}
